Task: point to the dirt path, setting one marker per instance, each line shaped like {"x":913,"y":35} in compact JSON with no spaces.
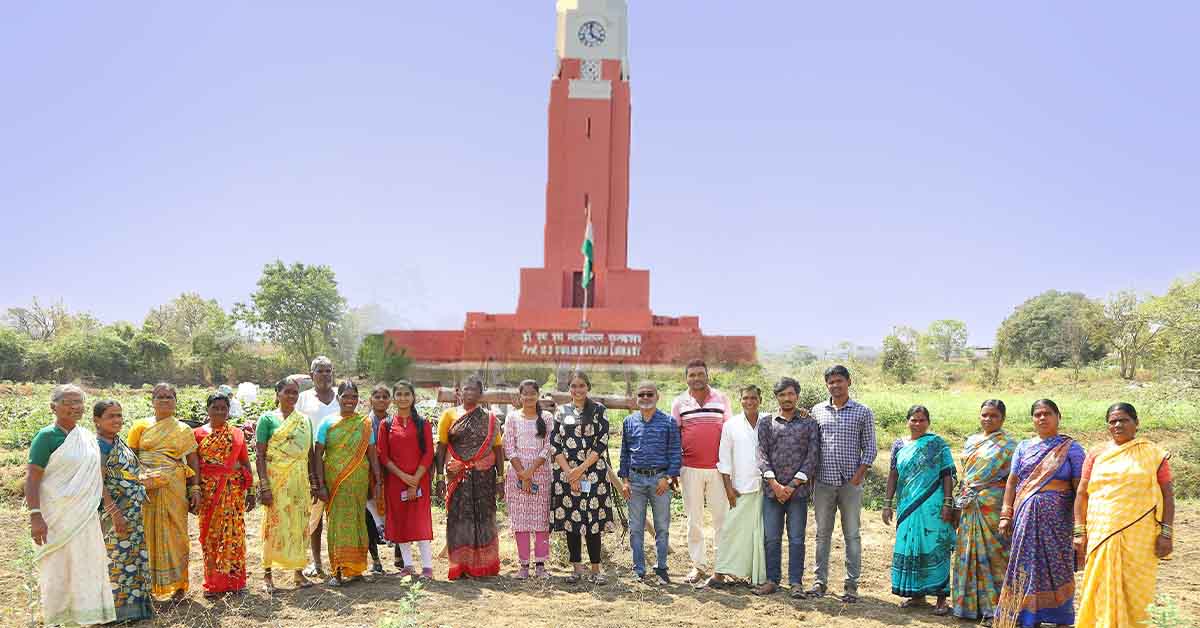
{"x":506,"y":602}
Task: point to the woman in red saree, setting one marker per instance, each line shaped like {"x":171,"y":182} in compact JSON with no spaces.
{"x":225,"y":496}
{"x":470,"y":435}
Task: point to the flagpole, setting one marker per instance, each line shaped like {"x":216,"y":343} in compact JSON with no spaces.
{"x":586,"y":280}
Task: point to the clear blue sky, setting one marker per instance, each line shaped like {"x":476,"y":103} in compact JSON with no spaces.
{"x":830,"y":170}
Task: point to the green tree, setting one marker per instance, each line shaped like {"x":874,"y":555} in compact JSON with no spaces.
{"x":1131,"y":329}
{"x":381,"y":360}
{"x":1041,"y":330}
{"x":801,"y":355}
{"x":898,"y":359}
{"x":13,"y":347}
{"x":152,"y":357}
{"x":296,"y":306}
{"x":947,"y":338}
{"x":908,"y":336}
{"x":1178,"y":314}
{"x":99,"y":355}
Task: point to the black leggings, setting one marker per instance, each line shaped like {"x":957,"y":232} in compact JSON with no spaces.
{"x":574,"y":541}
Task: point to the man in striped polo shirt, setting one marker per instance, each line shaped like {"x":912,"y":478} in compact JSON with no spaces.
{"x":701,"y":412}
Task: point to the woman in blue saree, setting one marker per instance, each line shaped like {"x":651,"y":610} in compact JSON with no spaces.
{"x":124,"y":533}
{"x":1039,"y":584}
{"x":922,"y":472}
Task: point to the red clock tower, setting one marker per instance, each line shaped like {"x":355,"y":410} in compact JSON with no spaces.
{"x":588,"y":174}
{"x":588,"y":161}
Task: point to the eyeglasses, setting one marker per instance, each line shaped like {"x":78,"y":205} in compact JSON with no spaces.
{"x":643,"y":395}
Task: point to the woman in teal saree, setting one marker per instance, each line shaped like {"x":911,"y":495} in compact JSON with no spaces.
{"x":922,"y":471}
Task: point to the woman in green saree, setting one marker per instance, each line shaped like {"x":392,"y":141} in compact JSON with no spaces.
{"x":922,"y":471}
{"x":346,"y":445}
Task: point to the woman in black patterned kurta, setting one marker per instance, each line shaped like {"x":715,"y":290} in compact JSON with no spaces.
{"x":581,"y":502}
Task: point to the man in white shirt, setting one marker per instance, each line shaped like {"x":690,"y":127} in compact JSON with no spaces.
{"x":740,"y":552}
{"x":235,"y":406}
{"x":316,"y":404}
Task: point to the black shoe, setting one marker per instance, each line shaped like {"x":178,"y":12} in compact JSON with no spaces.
{"x":817,"y":590}
{"x":661,"y":576}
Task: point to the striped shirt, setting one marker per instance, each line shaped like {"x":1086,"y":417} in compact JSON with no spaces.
{"x":847,"y":440}
{"x":700,"y":427}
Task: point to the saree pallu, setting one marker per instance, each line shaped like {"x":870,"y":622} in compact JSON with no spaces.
{"x":223,"y":507}
{"x":471,"y":535}
{"x":162,"y":446}
{"x":284,"y":537}
{"x":348,"y":476}
{"x":921,"y":559}
{"x":1123,"y":497}
{"x":741,"y":552}
{"x":1039,"y":583}
{"x":73,"y":563}
{"x":981,"y":552}
{"x":129,"y":562}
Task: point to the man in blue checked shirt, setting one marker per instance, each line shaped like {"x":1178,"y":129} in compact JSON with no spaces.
{"x":651,"y":455}
{"x":847,"y":451}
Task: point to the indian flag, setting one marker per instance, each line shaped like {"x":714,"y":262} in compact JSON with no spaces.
{"x":586,"y":249}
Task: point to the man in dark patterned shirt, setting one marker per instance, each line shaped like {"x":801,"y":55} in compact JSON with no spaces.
{"x":789,"y":456}
{"x":847,"y":450}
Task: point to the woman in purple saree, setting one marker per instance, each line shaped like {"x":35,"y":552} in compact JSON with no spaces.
{"x":1039,"y":585}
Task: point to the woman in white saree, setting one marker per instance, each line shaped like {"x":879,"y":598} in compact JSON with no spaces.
{"x":64,"y":487}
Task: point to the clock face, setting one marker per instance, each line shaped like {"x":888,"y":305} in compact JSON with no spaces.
{"x":591,"y":33}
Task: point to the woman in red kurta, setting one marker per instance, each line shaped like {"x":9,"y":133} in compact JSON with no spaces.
{"x":405,"y":447}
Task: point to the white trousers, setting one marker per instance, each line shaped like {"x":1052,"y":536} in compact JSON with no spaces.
{"x":699,"y":486}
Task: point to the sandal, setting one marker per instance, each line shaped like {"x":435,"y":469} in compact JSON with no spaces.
{"x":426,"y":575}
{"x":817,"y":590}
{"x":941,"y":611}
{"x":313,"y":571}
{"x":914,"y":602}
{"x":598,"y":579}
{"x":333,"y":582}
{"x":574,"y":578}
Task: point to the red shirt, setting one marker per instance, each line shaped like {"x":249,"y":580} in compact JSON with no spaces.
{"x":700,"y":427}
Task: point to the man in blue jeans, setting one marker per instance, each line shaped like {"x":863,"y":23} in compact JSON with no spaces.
{"x":789,"y":454}
{"x":651,"y":455}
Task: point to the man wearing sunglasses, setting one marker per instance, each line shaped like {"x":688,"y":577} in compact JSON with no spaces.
{"x":650,"y":459}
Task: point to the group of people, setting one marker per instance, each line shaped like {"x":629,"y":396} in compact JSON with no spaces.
{"x":1000,"y":543}
{"x":1003,"y":543}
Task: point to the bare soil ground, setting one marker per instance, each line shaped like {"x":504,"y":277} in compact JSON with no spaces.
{"x":503,"y":601}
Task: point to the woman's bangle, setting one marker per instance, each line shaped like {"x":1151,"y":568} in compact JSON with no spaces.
{"x":1080,"y":530}
{"x":35,"y":511}
{"x":1166,"y":531}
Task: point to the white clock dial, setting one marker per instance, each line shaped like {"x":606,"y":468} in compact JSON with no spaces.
{"x":591,"y":33}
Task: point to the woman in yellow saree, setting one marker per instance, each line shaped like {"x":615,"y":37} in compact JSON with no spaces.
{"x":170,"y":472}
{"x":346,"y":445}
{"x":283,"y":459}
{"x":1124,"y":512}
